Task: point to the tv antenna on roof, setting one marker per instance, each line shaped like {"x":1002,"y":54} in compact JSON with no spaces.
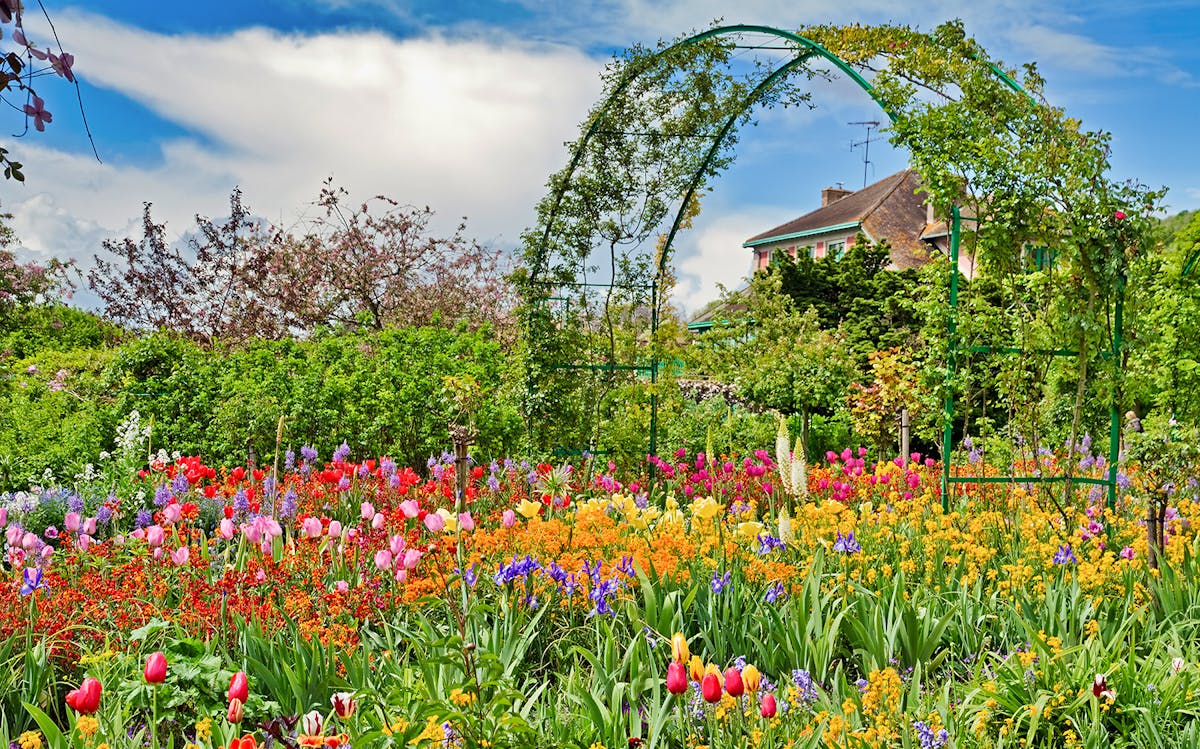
{"x":866,"y":143}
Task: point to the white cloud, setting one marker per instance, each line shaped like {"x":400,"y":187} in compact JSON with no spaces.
{"x":470,"y":128}
{"x":711,"y":255}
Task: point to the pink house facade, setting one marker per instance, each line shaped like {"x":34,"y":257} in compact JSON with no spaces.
{"x":893,"y":208}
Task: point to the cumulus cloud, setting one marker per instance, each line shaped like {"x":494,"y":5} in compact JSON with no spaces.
{"x":711,"y":255}
{"x":469,"y":127}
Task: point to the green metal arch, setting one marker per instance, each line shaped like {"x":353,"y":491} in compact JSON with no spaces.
{"x":809,"y":49}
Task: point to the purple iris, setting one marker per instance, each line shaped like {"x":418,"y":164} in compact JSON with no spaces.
{"x":33,"y":581}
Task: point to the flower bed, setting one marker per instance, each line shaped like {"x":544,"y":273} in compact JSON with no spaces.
{"x":591,"y":609}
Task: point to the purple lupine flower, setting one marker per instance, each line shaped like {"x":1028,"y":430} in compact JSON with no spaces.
{"x":288,"y":507}
{"x":343,"y":452}
{"x":240,"y":502}
{"x":289,"y":460}
{"x":308,"y":453}
{"x":143,"y":519}
{"x":162,"y":495}
{"x":103,"y":515}
{"x":75,"y":503}
{"x":179,"y":484}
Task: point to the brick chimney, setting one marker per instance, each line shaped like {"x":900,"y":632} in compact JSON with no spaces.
{"x":833,"y":194}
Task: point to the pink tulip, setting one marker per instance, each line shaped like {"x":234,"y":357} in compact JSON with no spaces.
{"x":83,"y":541}
{"x":225,"y":529}
{"x":383,"y":559}
{"x":411,"y":557}
{"x":341,"y":586}
{"x":89,"y":526}
{"x":252,"y":532}
{"x":377,"y":521}
{"x":29,"y":542}
{"x":335,"y":529}
{"x":72,"y":521}
{"x":466,"y":522}
{"x":401,"y":574}
{"x":271,"y":527}
{"x":157,"y":554}
{"x":368,"y":511}
{"x":172,"y":513}
{"x":180,"y":556}
{"x":311,"y":527}
{"x":509,"y":519}
{"x":3,"y":516}
{"x":396,"y":544}
{"x":435,"y":522}
{"x":13,"y":534}
{"x":155,"y":536}
{"x":410,"y":508}
{"x":47,"y":552}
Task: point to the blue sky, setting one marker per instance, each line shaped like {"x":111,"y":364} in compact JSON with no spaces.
{"x":464,"y":107}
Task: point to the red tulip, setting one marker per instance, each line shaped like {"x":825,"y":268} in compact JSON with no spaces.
{"x":733,"y":682}
{"x":156,"y":668}
{"x":238,"y":688}
{"x":710,"y":688}
{"x":86,"y":699}
{"x":677,"y":681}
{"x":768,"y":705}
{"x":245,"y":742}
{"x":235,"y":712}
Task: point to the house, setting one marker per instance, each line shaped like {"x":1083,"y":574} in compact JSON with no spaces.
{"x":894,"y":208}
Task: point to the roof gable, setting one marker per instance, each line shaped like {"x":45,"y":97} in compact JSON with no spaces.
{"x":846,"y":213}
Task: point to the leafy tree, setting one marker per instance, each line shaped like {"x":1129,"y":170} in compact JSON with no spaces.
{"x":776,"y":355}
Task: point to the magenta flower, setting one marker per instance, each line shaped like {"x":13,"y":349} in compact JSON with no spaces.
{"x":37,"y":110}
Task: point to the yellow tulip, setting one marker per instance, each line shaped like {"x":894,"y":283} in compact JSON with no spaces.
{"x":706,"y":508}
{"x":751,"y":678}
{"x":695,"y":668}
{"x":528,"y":508}
{"x":679,"y":648}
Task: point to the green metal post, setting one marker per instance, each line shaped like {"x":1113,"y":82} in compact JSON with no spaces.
{"x":653,"y":376}
{"x":951,"y":355}
{"x":1114,"y":423}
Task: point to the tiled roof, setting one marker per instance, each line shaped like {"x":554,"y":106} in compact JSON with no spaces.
{"x":850,"y":210}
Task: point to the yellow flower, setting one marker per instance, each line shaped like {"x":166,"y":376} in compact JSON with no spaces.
{"x":679,"y":648}
{"x":706,"y":508}
{"x":451,"y":522}
{"x":461,"y":698}
{"x":30,"y":740}
{"x":528,"y":509}
{"x":751,"y":678}
{"x":750,"y":530}
{"x":87,"y":725}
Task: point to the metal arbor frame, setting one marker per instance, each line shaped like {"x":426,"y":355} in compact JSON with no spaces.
{"x":807,"y":49}
{"x":1114,"y":425}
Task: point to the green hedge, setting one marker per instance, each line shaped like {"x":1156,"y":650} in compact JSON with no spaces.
{"x":381,"y":392}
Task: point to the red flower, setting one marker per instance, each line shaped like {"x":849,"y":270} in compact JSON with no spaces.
{"x":245,"y":742}
{"x":236,"y":711}
{"x":710,"y":688}
{"x":677,"y":681}
{"x":86,"y":699}
{"x":1119,"y":215}
{"x":156,"y":668}
{"x":238,"y":687}
{"x":768,"y":705}
{"x":733,"y":682}
{"x":237,"y":474}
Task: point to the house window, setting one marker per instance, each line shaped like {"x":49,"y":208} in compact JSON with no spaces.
{"x":835,"y":250}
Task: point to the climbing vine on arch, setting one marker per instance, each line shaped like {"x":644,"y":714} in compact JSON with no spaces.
{"x":981,"y":135}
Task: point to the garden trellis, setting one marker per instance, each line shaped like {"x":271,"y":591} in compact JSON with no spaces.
{"x":605,"y":233}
